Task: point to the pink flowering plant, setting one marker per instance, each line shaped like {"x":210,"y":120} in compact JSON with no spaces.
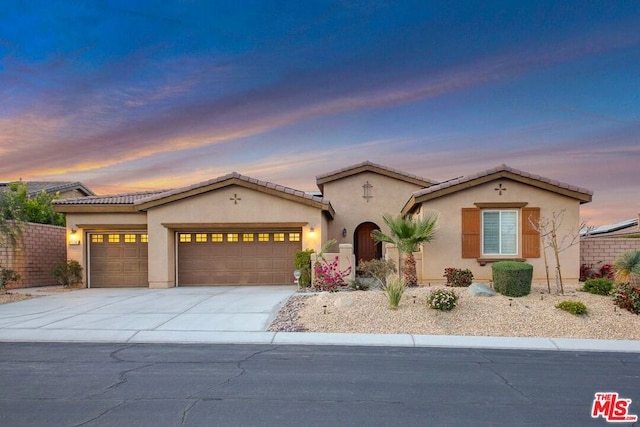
{"x":327,"y":275}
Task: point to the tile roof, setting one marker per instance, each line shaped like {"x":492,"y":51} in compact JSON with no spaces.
{"x":115,"y":199}
{"x":496,"y":170}
{"x":51,"y":187}
{"x":233,"y":176}
{"x":367,"y":165}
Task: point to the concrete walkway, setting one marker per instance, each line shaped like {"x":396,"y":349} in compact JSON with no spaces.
{"x":230,"y":314}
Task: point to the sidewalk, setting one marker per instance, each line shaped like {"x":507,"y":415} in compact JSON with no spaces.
{"x":215,"y":315}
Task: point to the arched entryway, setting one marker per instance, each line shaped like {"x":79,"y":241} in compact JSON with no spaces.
{"x":364,"y":247}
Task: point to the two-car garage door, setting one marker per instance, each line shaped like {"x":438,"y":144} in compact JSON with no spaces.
{"x":260,"y":257}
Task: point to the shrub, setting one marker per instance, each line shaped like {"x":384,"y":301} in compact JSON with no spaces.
{"x":328,"y":276}
{"x":379,"y":269}
{"x":512,"y":278}
{"x":442,"y":299}
{"x":302,"y":262}
{"x":588,"y":271}
{"x":458,"y":278}
{"x":8,"y":276}
{"x":628,"y":297}
{"x":359,"y":285}
{"x":68,"y":273}
{"x":573,"y":307}
{"x":394,"y":289}
{"x":598,"y":286}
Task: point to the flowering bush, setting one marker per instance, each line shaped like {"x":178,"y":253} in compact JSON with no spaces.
{"x":588,"y":271}
{"x":442,"y":299}
{"x":458,"y":278}
{"x":328,"y":276}
{"x":628,"y":297}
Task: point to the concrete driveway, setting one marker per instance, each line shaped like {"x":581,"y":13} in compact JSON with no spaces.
{"x":196,"y":314}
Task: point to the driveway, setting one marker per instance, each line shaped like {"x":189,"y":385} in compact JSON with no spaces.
{"x":207,"y":314}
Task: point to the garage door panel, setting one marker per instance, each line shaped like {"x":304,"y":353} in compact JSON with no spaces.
{"x":237,"y":262}
{"x":118,"y":263}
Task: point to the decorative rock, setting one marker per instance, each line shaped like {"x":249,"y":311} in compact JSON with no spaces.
{"x":480,"y":290}
{"x":343,"y":302}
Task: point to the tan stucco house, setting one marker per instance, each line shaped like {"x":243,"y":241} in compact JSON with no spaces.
{"x":239,"y":230}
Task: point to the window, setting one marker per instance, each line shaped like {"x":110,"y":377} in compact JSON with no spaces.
{"x":278,"y":237}
{"x":499,"y":232}
{"x":294,"y":237}
{"x":97,"y":238}
{"x":114,"y":238}
{"x":144,"y":238}
{"x":200,"y":237}
{"x":185,"y":238}
{"x":232,"y":237}
{"x":263,"y":237}
{"x":130,"y":238}
{"x":247,"y":237}
{"x":216,"y":237}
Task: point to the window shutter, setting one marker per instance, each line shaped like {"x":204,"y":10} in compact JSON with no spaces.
{"x":470,"y":233}
{"x":530,"y":236}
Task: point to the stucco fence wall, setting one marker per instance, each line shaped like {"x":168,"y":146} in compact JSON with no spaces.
{"x":598,"y":251}
{"x":44,"y":246}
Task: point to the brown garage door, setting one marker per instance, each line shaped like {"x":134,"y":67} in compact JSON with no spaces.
{"x":118,"y":260}
{"x":238,"y":257}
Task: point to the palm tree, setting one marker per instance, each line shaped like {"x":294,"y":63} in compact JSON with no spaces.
{"x":408,"y":233}
{"x":627,"y":267}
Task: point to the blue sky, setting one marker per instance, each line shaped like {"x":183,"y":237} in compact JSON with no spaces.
{"x":128,"y":96}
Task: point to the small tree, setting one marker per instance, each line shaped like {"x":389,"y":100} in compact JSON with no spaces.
{"x":550,"y":237}
{"x":408,"y":233}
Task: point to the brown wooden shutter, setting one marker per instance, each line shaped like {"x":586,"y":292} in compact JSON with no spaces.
{"x":530,"y":236}
{"x":470,"y":233}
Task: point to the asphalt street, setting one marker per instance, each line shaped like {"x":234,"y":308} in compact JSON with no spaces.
{"x":74,"y":384}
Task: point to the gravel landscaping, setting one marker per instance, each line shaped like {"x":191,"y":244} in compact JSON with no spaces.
{"x":533,"y":315}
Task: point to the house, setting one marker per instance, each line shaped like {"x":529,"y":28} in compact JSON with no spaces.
{"x":239,"y":230}
{"x":64,"y":189}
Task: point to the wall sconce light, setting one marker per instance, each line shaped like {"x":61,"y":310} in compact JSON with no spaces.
{"x":312,"y":232}
{"x":344,"y":232}
{"x":74,"y":237}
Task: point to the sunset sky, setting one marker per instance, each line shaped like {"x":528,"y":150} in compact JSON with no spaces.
{"x":135,"y":95}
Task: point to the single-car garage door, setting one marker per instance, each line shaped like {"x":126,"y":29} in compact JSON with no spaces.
{"x":118,"y":260}
{"x":259,"y":257}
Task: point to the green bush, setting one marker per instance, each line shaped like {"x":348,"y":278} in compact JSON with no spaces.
{"x":8,"y":276}
{"x":458,"y":278}
{"x":394,"y":289}
{"x":302,"y":262}
{"x":512,"y":278}
{"x":68,"y":273}
{"x":628,"y":297}
{"x":442,"y":299}
{"x":573,"y":307}
{"x":598,"y":286}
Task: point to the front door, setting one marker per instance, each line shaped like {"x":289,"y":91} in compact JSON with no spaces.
{"x":366,"y":248}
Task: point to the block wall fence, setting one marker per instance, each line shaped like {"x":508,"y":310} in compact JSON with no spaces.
{"x":598,"y":251}
{"x":44,"y":247}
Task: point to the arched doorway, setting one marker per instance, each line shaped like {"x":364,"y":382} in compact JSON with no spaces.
{"x":364,"y":246}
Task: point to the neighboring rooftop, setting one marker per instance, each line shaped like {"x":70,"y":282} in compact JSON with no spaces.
{"x":51,"y":187}
{"x":629,"y":226}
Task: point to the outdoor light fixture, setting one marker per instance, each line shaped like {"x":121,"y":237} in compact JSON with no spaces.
{"x":312,"y":232}
{"x":344,"y":232}
{"x":74,"y":237}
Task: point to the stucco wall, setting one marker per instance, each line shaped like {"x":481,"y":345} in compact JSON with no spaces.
{"x":253,"y":208}
{"x":389,"y":195}
{"x":445,"y":251}
{"x":43,"y":248}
